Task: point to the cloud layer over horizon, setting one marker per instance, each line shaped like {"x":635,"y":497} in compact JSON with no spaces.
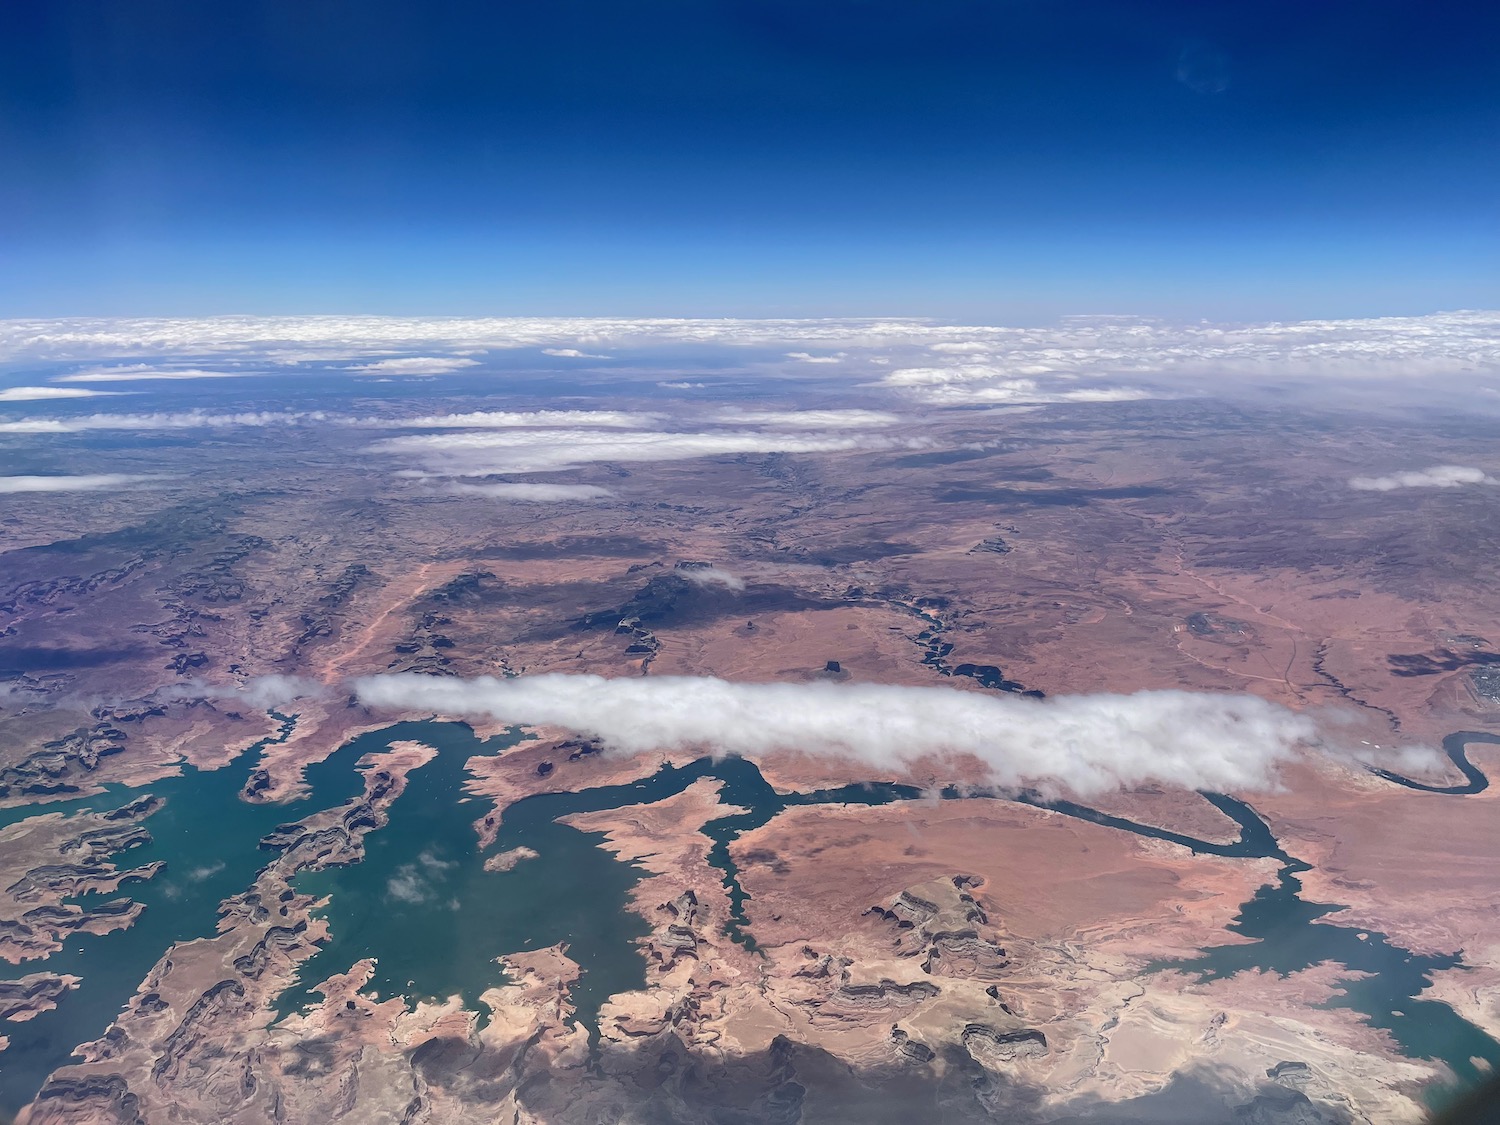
{"x":1087,"y":743}
{"x":1076,"y":359}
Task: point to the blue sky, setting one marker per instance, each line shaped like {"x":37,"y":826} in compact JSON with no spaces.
{"x":1005,"y":160}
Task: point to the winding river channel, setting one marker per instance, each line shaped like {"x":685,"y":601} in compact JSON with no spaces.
{"x":423,"y":905}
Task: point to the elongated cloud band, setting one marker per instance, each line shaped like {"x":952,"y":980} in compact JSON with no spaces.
{"x":43,"y":394}
{"x":84,"y":483}
{"x":470,"y":453}
{"x":138,"y":372}
{"x":1087,"y":743}
{"x":520,"y":419}
{"x":184,"y":420}
{"x":416,"y":365}
{"x":533,"y":493}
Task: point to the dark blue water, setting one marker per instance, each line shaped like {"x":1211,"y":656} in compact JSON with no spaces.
{"x":1454,"y":746}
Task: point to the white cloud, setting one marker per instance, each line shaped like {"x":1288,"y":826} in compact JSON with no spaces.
{"x":405,"y":885}
{"x":518,"y":419}
{"x":1439,"y":476}
{"x":808,"y":357}
{"x":39,"y":394}
{"x":1087,"y":743}
{"x":681,"y":386}
{"x":808,"y":419}
{"x":571,"y":353}
{"x":1452,"y":342}
{"x":415,"y":365}
{"x":136,"y":372}
{"x":97,"y":482}
{"x":185,"y":420}
{"x":1077,"y":359}
{"x":533,"y":493}
{"x":711,"y":576}
{"x":983,"y":383}
{"x":535,"y":451}
{"x":263,"y":693}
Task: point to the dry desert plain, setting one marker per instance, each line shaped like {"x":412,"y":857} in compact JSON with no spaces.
{"x":973,"y":958}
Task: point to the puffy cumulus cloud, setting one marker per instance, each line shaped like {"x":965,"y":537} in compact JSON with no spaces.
{"x":1439,"y":476}
{"x":808,"y":357}
{"x":415,"y":365}
{"x":184,"y":420}
{"x":97,"y":482}
{"x":539,"y":451}
{"x":1086,"y":743}
{"x":519,"y":419}
{"x":533,"y":493}
{"x":571,"y":353}
{"x":41,"y":394}
{"x":808,"y":419}
{"x":679,"y":386}
{"x":711,"y":576}
{"x":136,"y":372}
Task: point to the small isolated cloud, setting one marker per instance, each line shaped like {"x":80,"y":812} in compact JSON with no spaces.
{"x":808,"y":357}
{"x":207,"y":871}
{"x":40,"y":394}
{"x":135,"y":372}
{"x":406,"y":885}
{"x":521,"y":419}
{"x":533,"y":493}
{"x":681,"y":386}
{"x":97,"y":482}
{"x":1087,"y":743}
{"x":571,"y":353}
{"x":1439,"y":476}
{"x":415,"y":883}
{"x":808,"y":419}
{"x":711,"y":576}
{"x":415,"y":365}
{"x":185,"y":420}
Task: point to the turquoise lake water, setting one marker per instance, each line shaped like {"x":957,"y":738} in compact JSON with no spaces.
{"x":422,"y":904}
